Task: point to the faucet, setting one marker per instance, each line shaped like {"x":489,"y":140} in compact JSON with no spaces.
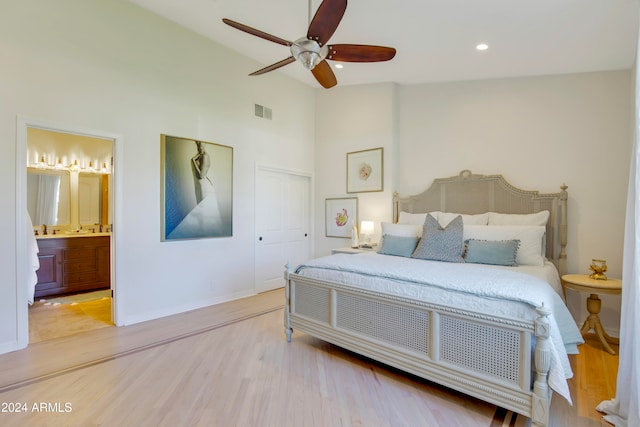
{"x":44,"y":229}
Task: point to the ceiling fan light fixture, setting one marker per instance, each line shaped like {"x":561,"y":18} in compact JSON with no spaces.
{"x":309,"y":59}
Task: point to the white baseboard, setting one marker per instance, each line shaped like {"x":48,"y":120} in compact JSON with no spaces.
{"x":170,"y":311}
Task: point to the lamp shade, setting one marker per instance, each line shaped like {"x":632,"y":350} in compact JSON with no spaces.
{"x":366,"y":227}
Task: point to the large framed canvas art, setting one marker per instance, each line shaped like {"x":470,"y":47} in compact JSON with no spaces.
{"x":197,"y":189}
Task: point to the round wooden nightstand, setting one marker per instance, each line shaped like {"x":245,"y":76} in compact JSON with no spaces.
{"x":582,"y":282}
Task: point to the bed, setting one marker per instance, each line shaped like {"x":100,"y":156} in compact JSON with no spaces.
{"x":500,"y":333}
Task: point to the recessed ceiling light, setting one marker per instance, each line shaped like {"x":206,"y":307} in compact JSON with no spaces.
{"x":482,"y":46}
{"x":339,"y":66}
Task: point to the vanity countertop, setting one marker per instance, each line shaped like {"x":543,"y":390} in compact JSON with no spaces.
{"x":71,"y":234}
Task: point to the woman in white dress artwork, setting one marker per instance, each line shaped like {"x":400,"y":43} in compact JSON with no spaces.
{"x":201,"y":164}
{"x":205,"y":217}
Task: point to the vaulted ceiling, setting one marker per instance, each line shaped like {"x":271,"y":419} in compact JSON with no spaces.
{"x":435,"y":39}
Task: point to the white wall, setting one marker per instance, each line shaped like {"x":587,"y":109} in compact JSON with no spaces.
{"x":113,"y":67}
{"x":352,"y":118}
{"x":110,"y":66}
{"x":538,"y":132}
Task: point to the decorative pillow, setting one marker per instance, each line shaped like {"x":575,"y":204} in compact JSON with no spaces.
{"x":496,"y":252}
{"x":444,"y":218}
{"x":398,"y":245}
{"x":412,"y":218}
{"x":538,"y":218}
{"x":440,"y":244}
{"x":531,"y":249}
{"x":402,"y":230}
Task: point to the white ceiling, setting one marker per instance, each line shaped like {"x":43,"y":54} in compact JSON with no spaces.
{"x":435,"y":39}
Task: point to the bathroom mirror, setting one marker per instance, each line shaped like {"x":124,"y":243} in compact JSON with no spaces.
{"x":48,"y":197}
{"x":90,"y":204}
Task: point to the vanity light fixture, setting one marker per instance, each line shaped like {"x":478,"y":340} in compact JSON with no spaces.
{"x":482,"y":46}
{"x":42,"y":163}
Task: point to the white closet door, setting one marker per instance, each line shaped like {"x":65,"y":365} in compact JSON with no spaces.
{"x":283,"y":225}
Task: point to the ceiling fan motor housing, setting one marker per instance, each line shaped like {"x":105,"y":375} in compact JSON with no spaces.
{"x":309,"y":52}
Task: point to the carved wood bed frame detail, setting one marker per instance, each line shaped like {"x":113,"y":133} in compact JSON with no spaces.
{"x":453,"y":347}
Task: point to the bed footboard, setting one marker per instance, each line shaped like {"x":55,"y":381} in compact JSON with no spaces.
{"x":487,"y":357}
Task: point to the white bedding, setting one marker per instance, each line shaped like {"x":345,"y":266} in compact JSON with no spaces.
{"x":502,"y":291}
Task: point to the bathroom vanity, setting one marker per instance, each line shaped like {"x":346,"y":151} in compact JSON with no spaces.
{"x":73,"y":263}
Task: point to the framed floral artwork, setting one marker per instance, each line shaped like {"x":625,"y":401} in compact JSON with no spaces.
{"x":365,"y":170}
{"x":340,"y":215}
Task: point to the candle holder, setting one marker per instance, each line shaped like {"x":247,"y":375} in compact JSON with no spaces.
{"x":598,"y":266}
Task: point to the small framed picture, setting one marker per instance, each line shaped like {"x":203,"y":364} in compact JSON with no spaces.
{"x":365,"y":171}
{"x":340,"y":215}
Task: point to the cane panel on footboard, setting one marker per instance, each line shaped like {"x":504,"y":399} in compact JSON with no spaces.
{"x":483,"y":356}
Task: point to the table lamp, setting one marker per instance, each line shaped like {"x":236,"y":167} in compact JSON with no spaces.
{"x":366,"y":230}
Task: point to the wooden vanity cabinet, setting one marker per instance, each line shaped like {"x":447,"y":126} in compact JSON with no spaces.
{"x":73,"y":264}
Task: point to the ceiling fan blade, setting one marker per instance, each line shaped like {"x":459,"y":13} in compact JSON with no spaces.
{"x":360,"y":53}
{"x":274,"y":66}
{"x":326,"y":20}
{"x":324,"y":75}
{"x":258,"y":33}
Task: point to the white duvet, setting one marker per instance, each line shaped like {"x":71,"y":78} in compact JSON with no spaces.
{"x":503,"y":291}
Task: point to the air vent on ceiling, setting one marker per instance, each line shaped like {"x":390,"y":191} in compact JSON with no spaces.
{"x":262,"y":111}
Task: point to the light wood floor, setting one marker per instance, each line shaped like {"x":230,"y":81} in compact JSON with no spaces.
{"x":231,"y":365}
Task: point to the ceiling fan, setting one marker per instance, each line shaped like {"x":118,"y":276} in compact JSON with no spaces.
{"x":313,"y":51}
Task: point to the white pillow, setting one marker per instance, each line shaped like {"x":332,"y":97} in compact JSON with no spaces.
{"x":531,"y":250}
{"x":402,"y":230}
{"x":444,"y":218}
{"x":538,"y":218}
{"x":412,"y":218}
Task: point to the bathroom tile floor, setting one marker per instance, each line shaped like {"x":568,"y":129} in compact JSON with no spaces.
{"x":53,"y":321}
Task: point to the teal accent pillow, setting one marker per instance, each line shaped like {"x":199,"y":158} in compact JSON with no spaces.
{"x":398,"y":245}
{"x":494,"y":252}
{"x":440,"y":244}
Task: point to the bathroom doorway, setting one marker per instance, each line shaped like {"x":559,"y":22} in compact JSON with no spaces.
{"x":73,"y":229}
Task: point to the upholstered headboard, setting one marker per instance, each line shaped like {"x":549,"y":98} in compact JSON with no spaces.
{"x":469,"y":193}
